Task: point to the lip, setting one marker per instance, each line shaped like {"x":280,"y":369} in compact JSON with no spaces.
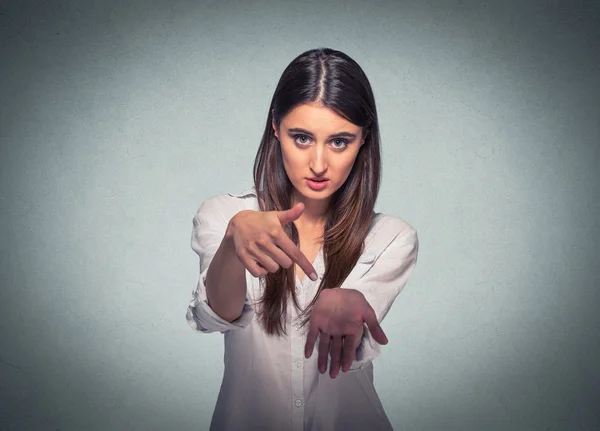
{"x":320,"y":185}
{"x":318,"y":179}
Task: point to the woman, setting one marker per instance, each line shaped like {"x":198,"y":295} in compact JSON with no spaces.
{"x":302,"y":261}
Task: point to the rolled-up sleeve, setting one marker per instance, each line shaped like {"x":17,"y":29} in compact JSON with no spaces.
{"x":209,"y":226}
{"x":381,"y":284}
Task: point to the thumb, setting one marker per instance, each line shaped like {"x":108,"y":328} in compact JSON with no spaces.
{"x":374,"y":327}
{"x":292,"y":214}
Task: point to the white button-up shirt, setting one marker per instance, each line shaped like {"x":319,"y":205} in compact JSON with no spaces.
{"x":268,"y":384}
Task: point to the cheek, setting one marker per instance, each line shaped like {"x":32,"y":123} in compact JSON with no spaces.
{"x":292,"y":157}
{"x":291,"y":163}
{"x":345,"y":165}
{"x":285,"y":156}
{"x":343,"y":170}
{"x":287,"y":151}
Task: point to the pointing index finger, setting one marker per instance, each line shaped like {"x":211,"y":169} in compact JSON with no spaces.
{"x":296,"y":255}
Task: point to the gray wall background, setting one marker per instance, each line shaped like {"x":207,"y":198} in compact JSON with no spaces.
{"x":118,"y":119}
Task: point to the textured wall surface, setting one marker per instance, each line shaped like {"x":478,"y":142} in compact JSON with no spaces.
{"x":117,"y":119}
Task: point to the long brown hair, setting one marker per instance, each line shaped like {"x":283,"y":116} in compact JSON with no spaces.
{"x":336,"y":81}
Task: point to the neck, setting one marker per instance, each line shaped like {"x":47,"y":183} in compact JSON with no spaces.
{"x":314,"y":216}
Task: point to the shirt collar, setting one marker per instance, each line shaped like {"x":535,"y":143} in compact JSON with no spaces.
{"x":249,"y":192}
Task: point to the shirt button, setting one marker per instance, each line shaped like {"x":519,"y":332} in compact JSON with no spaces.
{"x":298,"y":364}
{"x":298,"y":403}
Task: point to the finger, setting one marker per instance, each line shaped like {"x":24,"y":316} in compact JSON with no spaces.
{"x":349,"y":352}
{"x":255,"y":268}
{"x":290,"y":215}
{"x":374,"y":327}
{"x":337,"y":343}
{"x":277,"y":255}
{"x":311,"y":338}
{"x":289,"y":248}
{"x":264,"y":260}
{"x":324,"y":340}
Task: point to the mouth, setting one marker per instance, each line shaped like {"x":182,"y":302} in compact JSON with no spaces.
{"x":319,"y":184}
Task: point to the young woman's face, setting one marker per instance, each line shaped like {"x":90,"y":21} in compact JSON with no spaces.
{"x":317,"y":142}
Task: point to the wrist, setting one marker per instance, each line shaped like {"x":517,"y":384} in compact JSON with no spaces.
{"x":229,"y":231}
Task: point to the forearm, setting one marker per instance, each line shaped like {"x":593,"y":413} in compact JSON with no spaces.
{"x":226,"y":281}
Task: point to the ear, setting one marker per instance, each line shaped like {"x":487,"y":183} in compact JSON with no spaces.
{"x":274,"y":128}
{"x":364,"y":138}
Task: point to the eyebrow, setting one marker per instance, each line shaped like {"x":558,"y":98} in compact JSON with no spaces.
{"x":335,"y":135}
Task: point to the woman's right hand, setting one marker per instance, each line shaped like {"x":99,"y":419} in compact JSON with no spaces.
{"x":262,"y":245}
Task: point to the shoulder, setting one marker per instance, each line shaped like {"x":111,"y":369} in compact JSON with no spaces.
{"x":385,"y":229}
{"x":226,"y":205}
{"x":390,"y":225}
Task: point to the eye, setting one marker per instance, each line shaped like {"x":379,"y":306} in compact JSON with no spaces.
{"x":302,"y":140}
{"x":296,"y":137}
{"x":343,"y":141}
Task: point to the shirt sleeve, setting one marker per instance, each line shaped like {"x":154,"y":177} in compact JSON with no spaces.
{"x":209,"y":226}
{"x":381,"y":284}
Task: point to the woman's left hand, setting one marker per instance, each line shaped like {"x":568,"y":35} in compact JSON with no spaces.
{"x":339,"y":315}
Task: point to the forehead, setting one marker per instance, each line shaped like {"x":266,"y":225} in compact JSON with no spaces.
{"x":317,"y":118}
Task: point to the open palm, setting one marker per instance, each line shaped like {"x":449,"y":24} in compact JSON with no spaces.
{"x":338,"y":315}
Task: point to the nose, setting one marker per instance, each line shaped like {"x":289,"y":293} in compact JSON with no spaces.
{"x":318,"y":162}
